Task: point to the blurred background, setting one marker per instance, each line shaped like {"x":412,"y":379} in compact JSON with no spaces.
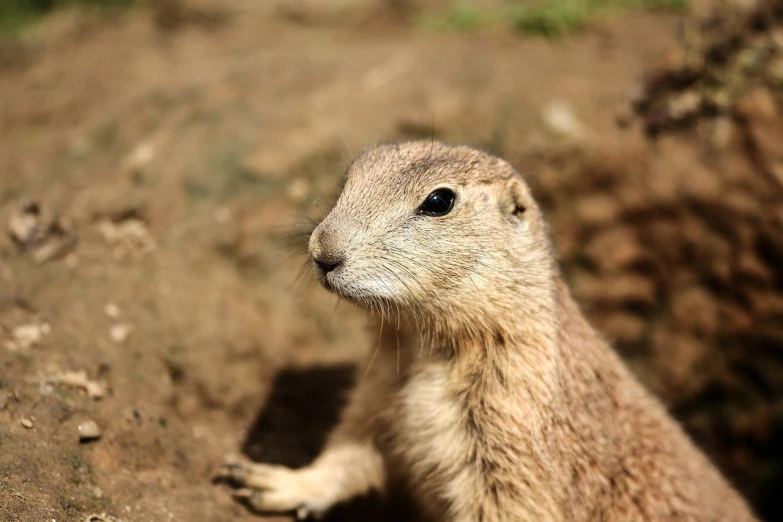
{"x":156,"y":156}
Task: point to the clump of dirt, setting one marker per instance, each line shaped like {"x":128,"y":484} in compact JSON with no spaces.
{"x":672,"y":240}
{"x":40,"y":233}
{"x":724,"y":57}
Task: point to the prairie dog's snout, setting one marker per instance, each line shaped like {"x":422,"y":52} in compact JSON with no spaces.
{"x":327,"y":254}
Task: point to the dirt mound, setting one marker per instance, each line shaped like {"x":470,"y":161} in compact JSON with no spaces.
{"x":724,"y":57}
{"x":673,"y":242}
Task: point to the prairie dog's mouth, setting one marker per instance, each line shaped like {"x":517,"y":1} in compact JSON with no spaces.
{"x":330,"y":280}
{"x":323,"y":278}
{"x":356,"y":286}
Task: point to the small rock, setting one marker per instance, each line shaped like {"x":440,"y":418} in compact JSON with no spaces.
{"x":561,"y":119}
{"x":95,"y":390}
{"x":26,"y":336}
{"x":141,"y":157}
{"x":102,"y":517}
{"x":127,"y":236}
{"x":88,"y":431}
{"x":119,"y":333}
{"x":684,"y":105}
{"x":54,"y":248}
{"x":112,"y":311}
{"x":26,"y":423}
{"x":23,"y":224}
{"x":40,"y":232}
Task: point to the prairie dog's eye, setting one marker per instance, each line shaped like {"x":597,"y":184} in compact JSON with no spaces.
{"x":438,"y":203}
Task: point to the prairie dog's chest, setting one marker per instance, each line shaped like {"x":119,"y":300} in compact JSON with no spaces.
{"x":429,"y":431}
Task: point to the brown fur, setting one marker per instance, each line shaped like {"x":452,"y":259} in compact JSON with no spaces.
{"x":490,"y":393}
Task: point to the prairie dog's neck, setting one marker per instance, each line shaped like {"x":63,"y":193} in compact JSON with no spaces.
{"x":545,"y":349}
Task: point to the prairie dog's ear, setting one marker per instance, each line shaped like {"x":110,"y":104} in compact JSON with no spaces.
{"x":515,"y":197}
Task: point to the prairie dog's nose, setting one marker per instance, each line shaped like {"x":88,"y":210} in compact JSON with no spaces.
{"x":324,"y":252}
{"x":327,"y":265}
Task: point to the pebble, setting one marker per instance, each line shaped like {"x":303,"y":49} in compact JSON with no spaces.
{"x":140,"y":157}
{"x":54,"y":248}
{"x":561,"y":119}
{"x":41,"y":231}
{"x":95,"y":390}
{"x":26,"y":423}
{"x":112,"y":311}
{"x":102,"y":517}
{"x":684,"y":105}
{"x":119,"y":333}
{"x":89,"y":430}
{"x":28,"y":335}
{"x":23,"y":224}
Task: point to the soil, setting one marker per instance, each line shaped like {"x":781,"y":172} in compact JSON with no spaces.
{"x":155,"y":165}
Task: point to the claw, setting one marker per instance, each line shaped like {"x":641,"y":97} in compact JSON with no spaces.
{"x":243,"y":493}
{"x":308,"y":513}
{"x":271,"y":488}
{"x":233,"y":472}
{"x":250,"y":496}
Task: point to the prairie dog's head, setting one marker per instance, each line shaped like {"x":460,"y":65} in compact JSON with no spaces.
{"x":428,"y":229}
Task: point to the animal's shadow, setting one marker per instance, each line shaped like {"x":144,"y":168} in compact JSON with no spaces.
{"x":291,"y":429}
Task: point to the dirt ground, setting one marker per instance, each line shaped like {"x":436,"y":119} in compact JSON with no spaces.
{"x":154,"y":165}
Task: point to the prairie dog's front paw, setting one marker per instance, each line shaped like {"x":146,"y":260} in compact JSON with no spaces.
{"x":273,"y":488}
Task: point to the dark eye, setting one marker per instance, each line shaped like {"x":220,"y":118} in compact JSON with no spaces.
{"x":439,"y":203}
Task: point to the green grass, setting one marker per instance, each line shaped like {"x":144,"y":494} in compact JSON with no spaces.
{"x":463,"y":17}
{"x":548,"y":18}
{"x":15,"y":15}
{"x":554,"y":18}
{"x":559,"y":17}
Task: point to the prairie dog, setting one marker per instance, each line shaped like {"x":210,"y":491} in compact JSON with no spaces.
{"x":489,"y":392}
